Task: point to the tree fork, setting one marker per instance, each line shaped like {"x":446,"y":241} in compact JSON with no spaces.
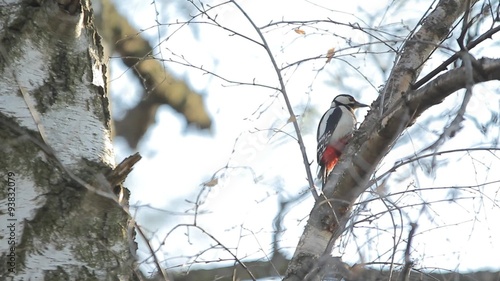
{"x":396,"y":109}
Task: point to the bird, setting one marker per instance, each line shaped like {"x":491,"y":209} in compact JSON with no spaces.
{"x":335,"y":129}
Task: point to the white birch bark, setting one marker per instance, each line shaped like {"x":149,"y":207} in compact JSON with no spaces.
{"x":54,"y":118}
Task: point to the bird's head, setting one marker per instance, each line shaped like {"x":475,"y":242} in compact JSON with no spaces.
{"x":347,"y":100}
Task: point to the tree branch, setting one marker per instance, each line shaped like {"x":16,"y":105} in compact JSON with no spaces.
{"x":454,"y":57}
{"x":292,"y":118}
{"x":160,"y":87}
{"x":380,"y":130}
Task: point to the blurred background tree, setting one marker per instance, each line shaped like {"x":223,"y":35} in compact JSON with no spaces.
{"x":159,"y":86}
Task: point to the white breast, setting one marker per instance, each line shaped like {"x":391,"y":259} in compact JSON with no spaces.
{"x":345,"y":126}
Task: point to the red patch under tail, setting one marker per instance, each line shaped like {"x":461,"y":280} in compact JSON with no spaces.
{"x":328,"y":161}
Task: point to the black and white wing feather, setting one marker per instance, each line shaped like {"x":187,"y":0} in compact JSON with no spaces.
{"x":326,"y":127}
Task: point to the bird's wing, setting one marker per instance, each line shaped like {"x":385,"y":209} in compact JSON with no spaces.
{"x":326,"y":127}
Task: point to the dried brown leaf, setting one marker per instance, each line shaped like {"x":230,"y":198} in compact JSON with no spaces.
{"x":329,"y":54}
{"x":299,"y":31}
{"x":211,"y":183}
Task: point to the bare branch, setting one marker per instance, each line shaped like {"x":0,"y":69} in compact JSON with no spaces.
{"x":454,"y":57}
{"x":455,"y":125}
{"x":312,"y":188}
{"x":405,"y":274}
{"x":379,"y":131}
{"x":160,"y":87}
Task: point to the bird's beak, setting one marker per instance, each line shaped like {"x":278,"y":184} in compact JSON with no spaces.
{"x":358,"y":104}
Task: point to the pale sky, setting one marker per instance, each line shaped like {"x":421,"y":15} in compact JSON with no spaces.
{"x":250,"y":131}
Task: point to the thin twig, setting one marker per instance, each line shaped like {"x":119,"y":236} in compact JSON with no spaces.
{"x":293,"y":119}
{"x":455,"y":125}
{"x":219,"y":243}
{"x":488,"y":34}
{"x":405,"y":274}
{"x":413,"y":159}
{"x":152,"y":251}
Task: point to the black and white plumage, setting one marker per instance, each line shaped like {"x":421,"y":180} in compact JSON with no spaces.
{"x":334,"y":131}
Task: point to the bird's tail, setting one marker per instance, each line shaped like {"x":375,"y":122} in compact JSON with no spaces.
{"x":322,"y":176}
{"x":325,"y":170}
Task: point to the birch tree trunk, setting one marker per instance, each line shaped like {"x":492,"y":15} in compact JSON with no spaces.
{"x":397,"y":107}
{"x":59,"y":218}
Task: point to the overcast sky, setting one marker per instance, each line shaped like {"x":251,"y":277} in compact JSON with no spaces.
{"x":251,"y":133}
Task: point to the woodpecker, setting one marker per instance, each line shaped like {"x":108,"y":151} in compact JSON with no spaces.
{"x":334,"y":131}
